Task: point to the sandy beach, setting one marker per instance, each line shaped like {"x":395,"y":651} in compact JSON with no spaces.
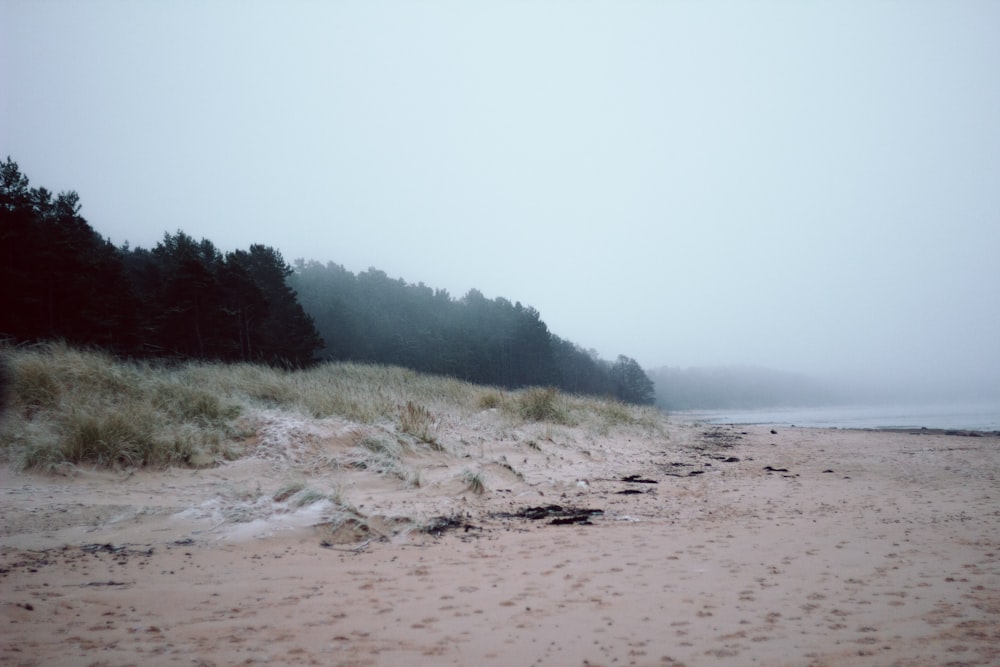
{"x":689,"y":545}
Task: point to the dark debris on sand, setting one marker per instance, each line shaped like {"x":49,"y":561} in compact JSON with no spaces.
{"x":439,"y":525}
{"x":558,"y":514}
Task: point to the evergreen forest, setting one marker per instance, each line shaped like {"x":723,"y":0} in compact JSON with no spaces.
{"x":186,"y":299}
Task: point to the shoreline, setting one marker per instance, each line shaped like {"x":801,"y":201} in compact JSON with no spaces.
{"x":698,"y":546}
{"x":908,"y":430}
{"x":923,"y":430}
{"x":979,"y":417}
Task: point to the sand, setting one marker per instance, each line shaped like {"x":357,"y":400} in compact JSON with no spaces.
{"x":729,"y":546}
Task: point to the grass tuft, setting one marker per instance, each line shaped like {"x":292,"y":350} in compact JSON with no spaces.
{"x":287,"y":491}
{"x":474,"y":482}
{"x":378,"y":454}
{"x":35,"y":383}
{"x":540,"y":404}
{"x":418,"y":422}
{"x":489,"y":400}
{"x":111,"y":438}
{"x":308,"y":497}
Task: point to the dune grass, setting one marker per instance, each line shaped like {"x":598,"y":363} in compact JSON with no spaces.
{"x":543,"y":404}
{"x":379,"y":455}
{"x":72,"y":406}
{"x":474,"y":482}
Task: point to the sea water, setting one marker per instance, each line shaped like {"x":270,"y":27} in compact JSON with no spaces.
{"x":970,"y":417}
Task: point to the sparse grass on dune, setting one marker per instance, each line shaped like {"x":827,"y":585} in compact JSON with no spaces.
{"x":474,"y":482}
{"x":380,"y":455}
{"x":70,"y":406}
{"x":298,"y":494}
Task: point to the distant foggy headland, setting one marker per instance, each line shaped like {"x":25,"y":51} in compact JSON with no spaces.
{"x":750,"y":388}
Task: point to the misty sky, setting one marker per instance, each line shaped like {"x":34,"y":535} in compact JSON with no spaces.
{"x":807,"y":186}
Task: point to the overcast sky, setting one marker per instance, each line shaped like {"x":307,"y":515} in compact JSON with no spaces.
{"x":807,"y":186}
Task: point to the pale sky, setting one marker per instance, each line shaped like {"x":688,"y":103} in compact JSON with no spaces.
{"x":806,"y":186}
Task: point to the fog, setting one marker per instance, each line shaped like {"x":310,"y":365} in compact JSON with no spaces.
{"x":808,"y":187}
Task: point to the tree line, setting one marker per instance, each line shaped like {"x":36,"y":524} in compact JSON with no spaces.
{"x":181,"y":299}
{"x":186,"y":299}
{"x":370,"y":317}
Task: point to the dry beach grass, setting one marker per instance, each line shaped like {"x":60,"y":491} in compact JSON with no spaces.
{"x":370,"y":516}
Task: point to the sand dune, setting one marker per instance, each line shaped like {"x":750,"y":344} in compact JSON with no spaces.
{"x":699,"y":546}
